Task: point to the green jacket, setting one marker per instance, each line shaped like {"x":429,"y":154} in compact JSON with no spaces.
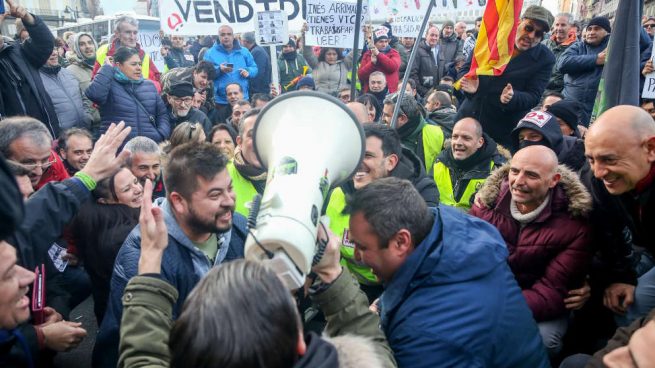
{"x":289,"y":70}
{"x":147,"y":320}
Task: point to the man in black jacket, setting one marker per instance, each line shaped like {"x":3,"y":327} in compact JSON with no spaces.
{"x":499,"y":102}
{"x":425,"y":70}
{"x":180,"y":97}
{"x":262,"y":83}
{"x":21,"y":89}
{"x":175,"y":56}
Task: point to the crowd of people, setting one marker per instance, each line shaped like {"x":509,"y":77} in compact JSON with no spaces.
{"x":491,"y":224}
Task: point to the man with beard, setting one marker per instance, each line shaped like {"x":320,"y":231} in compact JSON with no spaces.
{"x":563,"y":36}
{"x":248,"y":175}
{"x":144,"y":162}
{"x":203,"y":231}
{"x":384,"y":157}
{"x":498,"y":102}
{"x":84,"y":48}
{"x":180,"y":97}
{"x":75,"y":147}
{"x":425,"y":140}
{"x":462,"y":168}
{"x":200,"y":75}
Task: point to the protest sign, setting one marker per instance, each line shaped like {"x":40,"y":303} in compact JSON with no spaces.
{"x":332,"y":23}
{"x":649,"y":83}
{"x":272,"y":28}
{"x":151,"y":42}
{"x":203,"y":17}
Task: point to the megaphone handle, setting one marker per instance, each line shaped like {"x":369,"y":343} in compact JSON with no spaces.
{"x":322,"y":243}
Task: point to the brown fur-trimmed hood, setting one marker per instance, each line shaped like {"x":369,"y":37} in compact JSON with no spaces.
{"x":580,"y":202}
{"x":355,"y":351}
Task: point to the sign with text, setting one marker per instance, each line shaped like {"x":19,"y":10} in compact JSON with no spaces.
{"x":272,"y":28}
{"x":649,"y":83}
{"x":203,"y":17}
{"x":151,"y":43}
{"x":332,"y":23}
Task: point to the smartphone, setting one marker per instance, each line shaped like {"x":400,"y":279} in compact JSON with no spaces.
{"x":229,"y":65}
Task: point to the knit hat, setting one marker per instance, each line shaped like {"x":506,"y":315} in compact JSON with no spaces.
{"x":306,"y":82}
{"x":183,"y":89}
{"x":539,"y":14}
{"x":545,"y":124}
{"x":380,"y":33}
{"x":601,"y":22}
{"x":445,"y":88}
{"x":291,"y":43}
{"x":568,"y":111}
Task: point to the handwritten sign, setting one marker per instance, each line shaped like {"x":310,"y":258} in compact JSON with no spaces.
{"x":649,"y":82}
{"x":272,"y":28}
{"x":332,"y":23}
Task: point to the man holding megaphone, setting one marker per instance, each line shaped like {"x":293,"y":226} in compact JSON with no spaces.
{"x":384,"y":157}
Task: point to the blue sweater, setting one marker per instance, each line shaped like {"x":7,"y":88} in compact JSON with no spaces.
{"x":455,"y":302}
{"x":241,"y":58}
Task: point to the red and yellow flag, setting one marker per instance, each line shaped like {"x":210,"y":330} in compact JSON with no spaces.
{"x":495,"y":43}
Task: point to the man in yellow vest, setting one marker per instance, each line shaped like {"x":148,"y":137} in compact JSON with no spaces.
{"x":248,"y":175}
{"x":126,"y":31}
{"x":462,"y":168}
{"x":424,"y":139}
{"x":384,"y":157}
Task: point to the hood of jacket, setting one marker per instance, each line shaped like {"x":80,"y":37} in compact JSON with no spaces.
{"x":76,"y":45}
{"x":409,"y":167}
{"x":355,"y":351}
{"x":439,"y":259}
{"x":572,"y":153}
{"x":569,"y":194}
{"x":551,"y":132}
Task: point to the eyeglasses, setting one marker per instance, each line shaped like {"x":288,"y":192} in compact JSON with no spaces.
{"x":31,"y":165}
{"x":529,"y":28}
{"x":646,"y":26}
{"x":186,"y":100}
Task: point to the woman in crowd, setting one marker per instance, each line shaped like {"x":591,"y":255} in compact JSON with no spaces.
{"x":100,"y":228}
{"x":224,"y":137}
{"x":184,"y":133}
{"x":372,"y":105}
{"x":330,"y":69}
{"x":124,"y":95}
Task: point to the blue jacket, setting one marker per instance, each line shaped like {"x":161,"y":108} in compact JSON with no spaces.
{"x":117,"y":102}
{"x":455,"y":302}
{"x":582,"y":75}
{"x":241,"y":58}
{"x":183,"y":265}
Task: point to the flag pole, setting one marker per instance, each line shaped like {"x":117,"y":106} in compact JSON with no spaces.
{"x":353,"y":73}
{"x":410,"y":62}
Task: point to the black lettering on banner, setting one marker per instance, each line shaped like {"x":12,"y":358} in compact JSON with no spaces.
{"x":185,"y":14}
{"x":651,"y":84}
{"x":203,"y":11}
{"x":294,"y":4}
{"x":238,"y":4}
{"x":219,"y":10}
{"x":266,"y":3}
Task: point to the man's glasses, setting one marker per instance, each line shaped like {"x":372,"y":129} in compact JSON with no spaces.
{"x":647,"y":26}
{"x":529,"y":28}
{"x":186,"y":100}
{"x":31,"y":165}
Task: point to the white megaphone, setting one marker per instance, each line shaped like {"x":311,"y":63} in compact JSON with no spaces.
{"x":309,"y":142}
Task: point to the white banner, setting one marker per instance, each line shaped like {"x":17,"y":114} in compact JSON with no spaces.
{"x":332,"y":23}
{"x":203,"y":17}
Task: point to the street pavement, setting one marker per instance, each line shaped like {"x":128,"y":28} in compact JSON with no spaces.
{"x":80,"y":357}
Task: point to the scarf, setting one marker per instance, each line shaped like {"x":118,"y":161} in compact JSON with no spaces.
{"x":247,"y":169}
{"x":525,"y":218}
{"x":52,"y":70}
{"x":386,"y":49}
{"x":289,"y":56}
{"x":122,"y":78}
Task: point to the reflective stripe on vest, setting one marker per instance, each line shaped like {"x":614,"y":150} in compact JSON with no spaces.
{"x":243,"y":189}
{"x":445,"y":185}
{"x":101,"y":54}
{"x":339,"y":224}
{"x":433,"y":139}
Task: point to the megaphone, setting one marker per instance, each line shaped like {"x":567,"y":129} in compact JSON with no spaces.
{"x":309,"y":142}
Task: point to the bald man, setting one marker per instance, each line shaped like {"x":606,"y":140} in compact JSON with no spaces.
{"x":360,"y":110}
{"x":620,"y":147}
{"x":540,"y":209}
{"x":461,"y":169}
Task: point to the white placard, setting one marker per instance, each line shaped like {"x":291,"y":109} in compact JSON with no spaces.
{"x":332,"y":23}
{"x":272,"y":28}
{"x":57,"y":253}
{"x":649,"y":82}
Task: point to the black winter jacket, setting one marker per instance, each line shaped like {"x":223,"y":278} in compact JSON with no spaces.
{"x":425,"y":71}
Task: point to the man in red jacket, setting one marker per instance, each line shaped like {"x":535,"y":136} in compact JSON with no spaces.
{"x":381,"y":58}
{"x":540,"y":209}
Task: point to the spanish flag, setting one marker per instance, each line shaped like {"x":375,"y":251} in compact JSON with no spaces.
{"x":495,"y":43}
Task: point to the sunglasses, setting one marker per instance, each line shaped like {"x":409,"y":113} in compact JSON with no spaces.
{"x":529,"y":28}
{"x":646,"y":26}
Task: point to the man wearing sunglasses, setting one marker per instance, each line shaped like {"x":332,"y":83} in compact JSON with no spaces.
{"x":499,"y":102}
{"x":649,"y":26}
{"x":582,"y":65}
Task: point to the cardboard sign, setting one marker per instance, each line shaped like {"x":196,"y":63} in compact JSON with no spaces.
{"x":649,"y":82}
{"x":332,"y":23}
{"x":272,"y":28}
